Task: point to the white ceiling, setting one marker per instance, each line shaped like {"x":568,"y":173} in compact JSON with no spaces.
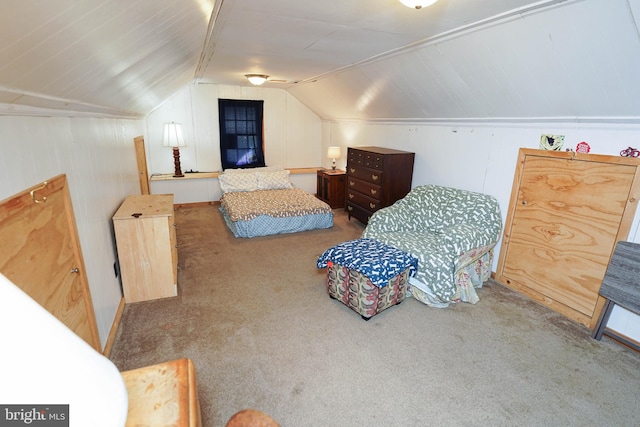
{"x":295,"y":40}
{"x":345,"y":59}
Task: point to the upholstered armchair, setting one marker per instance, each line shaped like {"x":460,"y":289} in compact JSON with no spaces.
{"x":452,"y":232}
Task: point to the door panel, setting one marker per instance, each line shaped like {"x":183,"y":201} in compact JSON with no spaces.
{"x":40,"y":253}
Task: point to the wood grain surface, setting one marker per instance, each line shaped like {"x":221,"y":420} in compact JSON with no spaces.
{"x":565,"y":217}
{"x":41,"y":254}
{"x":621,"y":282}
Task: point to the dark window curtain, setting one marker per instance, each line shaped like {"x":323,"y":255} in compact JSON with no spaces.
{"x":241,"y":133}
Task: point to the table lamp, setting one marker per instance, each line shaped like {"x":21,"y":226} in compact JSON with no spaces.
{"x":334,"y":153}
{"x":174,"y":138}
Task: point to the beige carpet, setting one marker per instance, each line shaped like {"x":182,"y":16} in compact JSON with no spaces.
{"x":254,"y":316}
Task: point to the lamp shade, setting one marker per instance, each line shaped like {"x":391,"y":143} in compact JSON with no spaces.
{"x":417,"y":4}
{"x":256,"y":79}
{"x":173,"y":136}
{"x":334,"y":153}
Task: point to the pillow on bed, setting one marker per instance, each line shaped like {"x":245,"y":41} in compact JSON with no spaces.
{"x":253,"y":170}
{"x":237,"y":182}
{"x":273,"y":180}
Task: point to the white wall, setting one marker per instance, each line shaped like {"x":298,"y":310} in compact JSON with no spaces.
{"x":98,"y":157}
{"x":482,"y":157}
{"x":292,"y":137}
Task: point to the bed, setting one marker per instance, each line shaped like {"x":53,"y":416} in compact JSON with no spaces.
{"x":263,"y":201}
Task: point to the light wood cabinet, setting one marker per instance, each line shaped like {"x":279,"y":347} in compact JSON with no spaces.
{"x":147,"y":249}
{"x":376,"y":178}
{"x":566,"y":214}
{"x":165,"y":394}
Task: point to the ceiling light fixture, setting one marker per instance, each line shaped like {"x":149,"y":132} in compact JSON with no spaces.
{"x":256,"y":79}
{"x":417,"y":4}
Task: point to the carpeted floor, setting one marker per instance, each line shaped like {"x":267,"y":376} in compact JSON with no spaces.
{"x":254,"y":316}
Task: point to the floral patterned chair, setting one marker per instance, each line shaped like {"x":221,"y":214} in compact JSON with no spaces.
{"x":452,"y":232}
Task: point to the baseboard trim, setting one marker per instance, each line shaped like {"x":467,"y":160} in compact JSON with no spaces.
{"x":192,"y":204}
{"x":114,"y":329}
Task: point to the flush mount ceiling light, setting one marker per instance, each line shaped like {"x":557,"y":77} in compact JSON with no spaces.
{"x":417,"y":4}
{"x":256,"y":79}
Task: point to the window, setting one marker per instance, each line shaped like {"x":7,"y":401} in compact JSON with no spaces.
{"x":240,"y":133}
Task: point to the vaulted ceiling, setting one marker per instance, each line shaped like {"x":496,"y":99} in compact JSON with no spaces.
{"x":345,"y":59}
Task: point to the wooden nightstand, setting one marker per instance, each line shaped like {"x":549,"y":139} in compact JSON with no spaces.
{"x":331,"y":187}
{"x":147,"y":250}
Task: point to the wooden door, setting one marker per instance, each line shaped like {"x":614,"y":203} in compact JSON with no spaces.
{"x":566,"y":215}
{"x":40,"y":253}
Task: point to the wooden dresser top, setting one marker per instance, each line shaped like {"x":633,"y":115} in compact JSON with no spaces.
{"x":381,"y":150}
{"x":149,"y":205}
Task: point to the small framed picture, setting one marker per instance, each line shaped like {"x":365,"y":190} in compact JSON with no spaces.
{"x":551,"y":142}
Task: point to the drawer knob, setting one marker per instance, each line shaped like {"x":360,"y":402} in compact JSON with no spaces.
{"x":351,"y":195}
{"x":352,"y":170}
{"x":351,"y":183}
{"x":350,"y":208}
{"x":374,"y":191}
{"x":374,"y":177}
{"x":372,"y":205}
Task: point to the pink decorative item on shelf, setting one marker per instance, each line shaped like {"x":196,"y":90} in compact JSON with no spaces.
{"x":583,"y":147}
{"x":630,"y":152}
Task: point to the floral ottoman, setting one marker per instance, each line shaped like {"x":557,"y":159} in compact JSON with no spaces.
{"x":367,"y":275}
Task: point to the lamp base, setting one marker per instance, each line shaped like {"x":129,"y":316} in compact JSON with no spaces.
{"x":176,"y":163}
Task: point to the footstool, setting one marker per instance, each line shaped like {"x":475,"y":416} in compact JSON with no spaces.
{"x":367,"y":275}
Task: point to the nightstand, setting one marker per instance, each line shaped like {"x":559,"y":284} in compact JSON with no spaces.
{"x":331,"y":187}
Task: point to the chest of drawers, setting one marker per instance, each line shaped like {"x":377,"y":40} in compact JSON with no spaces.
{"x":147,"y":251}
{"x":376,"y":177}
